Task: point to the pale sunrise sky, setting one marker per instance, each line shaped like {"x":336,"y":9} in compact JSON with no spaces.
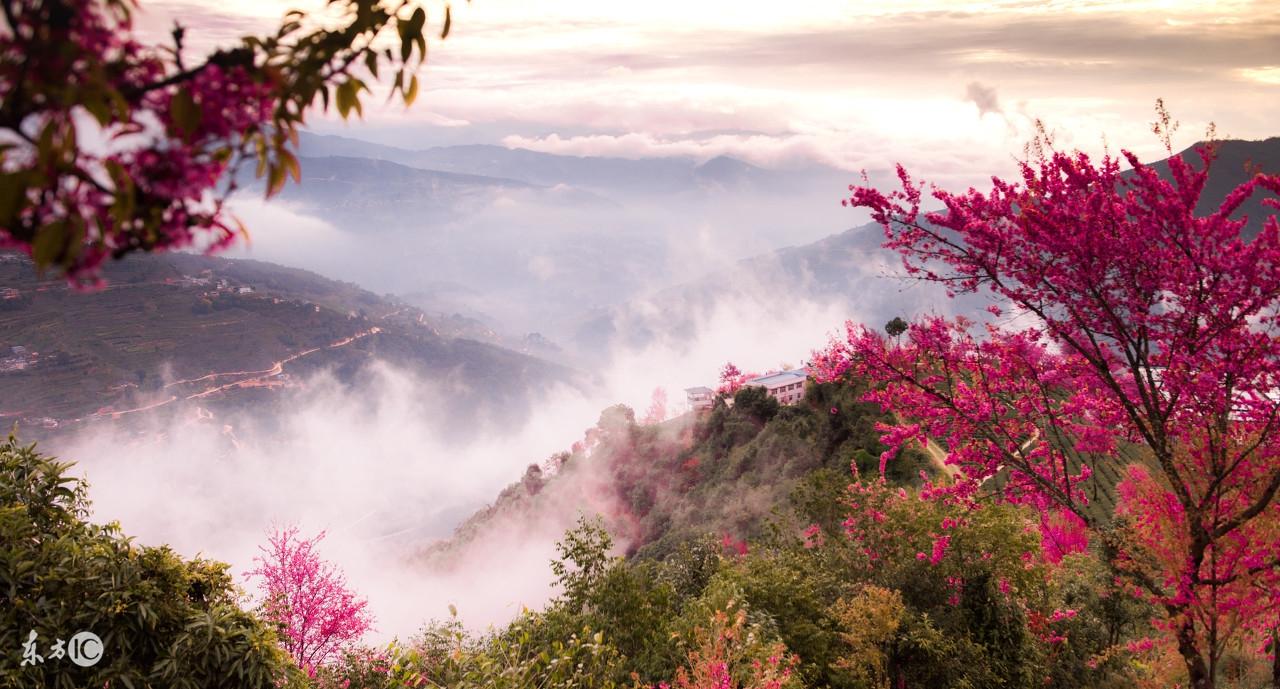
{"x":948,"y":88}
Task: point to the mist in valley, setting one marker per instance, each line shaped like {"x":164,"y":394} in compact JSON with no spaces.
{"x":641,"y":293}
{"x":548,"y":257}
{"x":373,"y":465}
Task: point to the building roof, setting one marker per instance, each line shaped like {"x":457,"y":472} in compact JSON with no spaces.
{"x":783,"y":378}
{"x":698,"y":389}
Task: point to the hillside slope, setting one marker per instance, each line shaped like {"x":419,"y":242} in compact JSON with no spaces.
{"x":198,"y":333}
{"x":721,"y":472}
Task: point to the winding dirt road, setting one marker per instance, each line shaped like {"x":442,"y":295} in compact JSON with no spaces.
{"x":247,"y":379}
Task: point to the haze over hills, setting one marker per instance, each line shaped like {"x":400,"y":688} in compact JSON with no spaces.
{"x":369,"y":191}
{"x":621,"y":177}
{"x":494,"y":260}
{"x":528,"y":241}
{"x":595,"y":252}
{"x":851,"y":271}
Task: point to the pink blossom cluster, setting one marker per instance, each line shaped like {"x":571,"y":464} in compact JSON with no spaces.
{"x":657,"y":412}
{"x":1062,"y":533}
{"x":733,"y":546}
{"x":170,"y":178}
{"x":813,"y":537}
{"x":732,"y":379}
{"x":722,"y":659}
{"x":308,"y":598}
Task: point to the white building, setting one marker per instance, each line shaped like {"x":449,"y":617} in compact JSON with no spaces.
{"x":787,"y":387}
{"x":700,"y":397}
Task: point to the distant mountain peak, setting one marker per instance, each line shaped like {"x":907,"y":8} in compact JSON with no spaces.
{"x":726,"y":161}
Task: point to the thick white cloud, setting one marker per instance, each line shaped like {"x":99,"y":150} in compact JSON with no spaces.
{"x":856,"y":84}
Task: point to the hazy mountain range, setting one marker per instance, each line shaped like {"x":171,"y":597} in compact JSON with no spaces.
{"x":620,"y":177}
{"x":499,"y":255}
{"x":534,"y":242}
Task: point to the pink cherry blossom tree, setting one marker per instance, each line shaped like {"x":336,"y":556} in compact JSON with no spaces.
{"x":1148,"y":335}
{"x":307,"y":597}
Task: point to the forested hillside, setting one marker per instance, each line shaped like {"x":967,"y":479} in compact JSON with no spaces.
{"x":762,"y":550}
{"x":722,"y":472}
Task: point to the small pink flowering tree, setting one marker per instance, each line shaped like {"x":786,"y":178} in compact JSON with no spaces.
{"x":1152,"y":335}
{"x":307,"y":598}
{"x":732,"y":379}
{"x":657,"y":412}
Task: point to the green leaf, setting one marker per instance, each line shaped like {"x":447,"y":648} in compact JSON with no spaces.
{"x":99,"y":108}
{"x":185,"y":113}
{"x":13,"y":191}
{"x":49,"y":243}
{"x":345,"y":97}
{"x":291,"y":164}
{"x":371,"y":63}
{"x":275,"y":179}
{"x":47,"y":147}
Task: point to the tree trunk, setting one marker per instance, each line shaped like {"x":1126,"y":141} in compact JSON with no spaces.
{"x":1275,"y":658}
{"x":1196,"y":668}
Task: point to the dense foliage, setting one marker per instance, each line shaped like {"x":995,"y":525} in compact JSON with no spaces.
{"x":163,"y":621}
{"x":722,"y":472}
{"x":844,"y":588}
{"x":840,"y":581}
{"x":837,"y":581}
